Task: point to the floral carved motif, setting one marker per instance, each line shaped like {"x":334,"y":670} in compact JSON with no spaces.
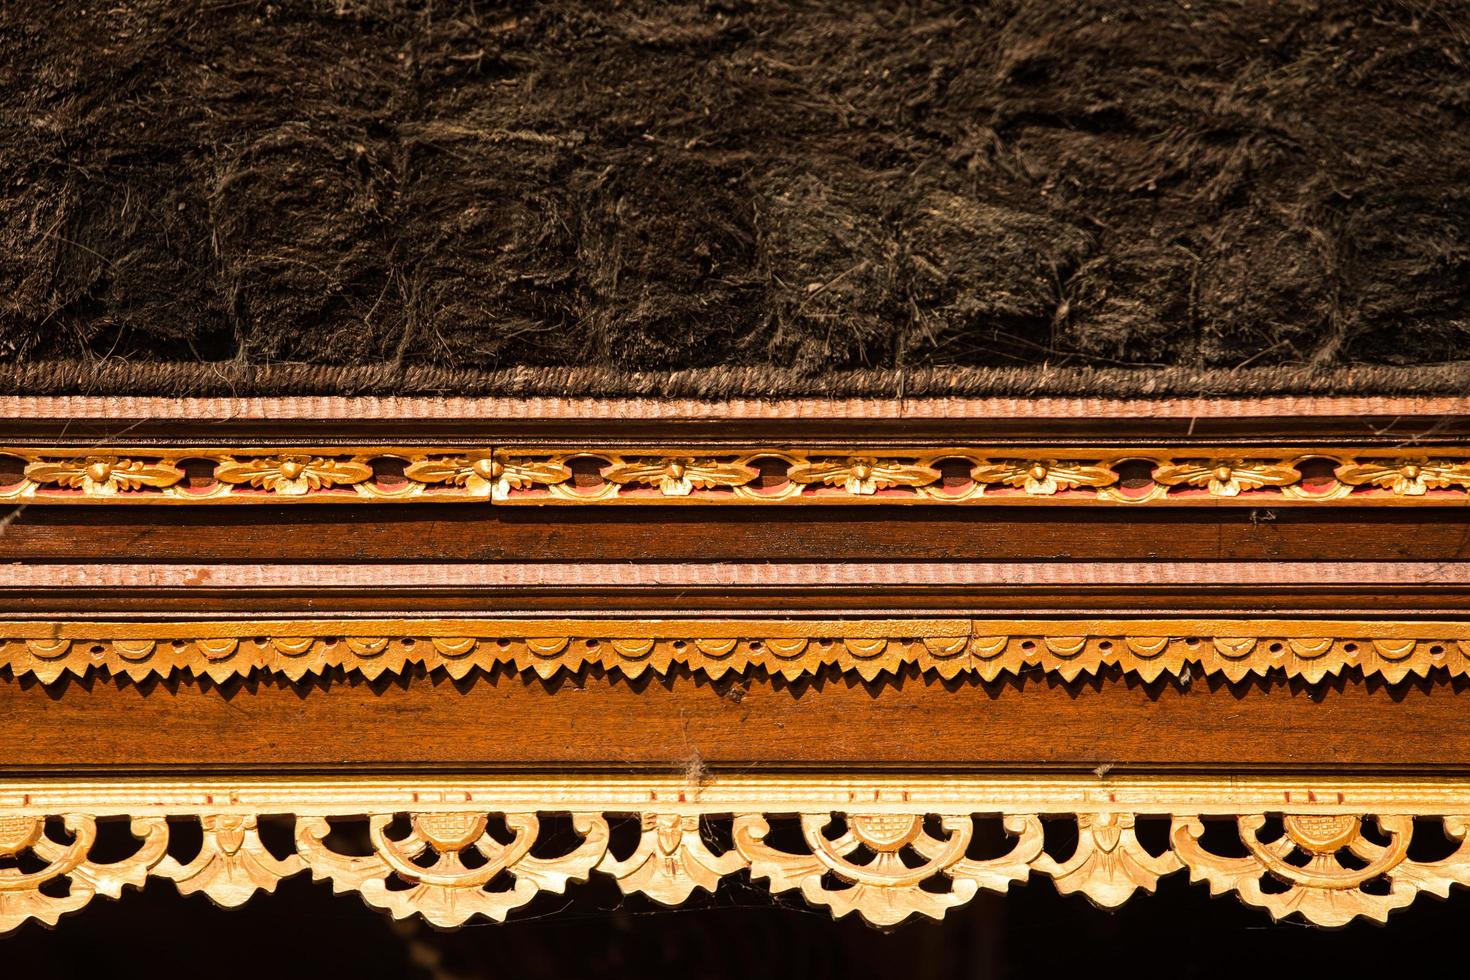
{"x":744,"y":475}
{"x":1043,"y":477}
{"x":1228,"y":477}
{"x":1410,"y":477}
{"x":679,"y":476}
{"x":104,"y":476}
{"x":294,"y":475}
{"x":482,"y":475}
{"x":885,"y":867}
{"x":863,"y":475}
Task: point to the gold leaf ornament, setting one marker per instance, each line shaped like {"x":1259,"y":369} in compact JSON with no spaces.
{"x":291,"y":475}
{"x":679,"y":476}
{"x":1409,"y":477}
{"x":1227,"y":477}
{"x":484,"y":475}
{"x":1042,"y":477}
{"x":863,"y":475}
{"x":105,"y":476}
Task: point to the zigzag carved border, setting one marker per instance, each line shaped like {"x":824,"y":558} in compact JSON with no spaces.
{"x":738,"y":475}
{"x":988,"y":648}
{"x":886,"y":850}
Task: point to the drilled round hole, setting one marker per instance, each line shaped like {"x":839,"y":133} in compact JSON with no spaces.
{"x":1436,"y":651}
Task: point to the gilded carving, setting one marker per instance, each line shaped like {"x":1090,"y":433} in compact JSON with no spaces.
{"x":293,"y":475}
{"x":482,"y":475}
{"x":679,"y":476}
{"x":1408,"y":477}
{"x":744,"y":475}
{"x":1228,"y":477}
{"x":863,"y":475}
{"x":104,"y":476}
{"x":1042,"y":477}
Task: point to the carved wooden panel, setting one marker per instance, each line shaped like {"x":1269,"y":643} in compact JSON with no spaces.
{"x":452,"y":853}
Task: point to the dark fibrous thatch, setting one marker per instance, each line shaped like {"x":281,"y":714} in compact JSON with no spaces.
{"x":817,"y":186}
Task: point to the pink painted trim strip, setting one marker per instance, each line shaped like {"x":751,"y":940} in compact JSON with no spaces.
{"x":724,"y":575}
{"x":370,"y":409}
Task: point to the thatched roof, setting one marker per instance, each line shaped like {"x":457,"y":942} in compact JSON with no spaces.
{"x":817,"y":185}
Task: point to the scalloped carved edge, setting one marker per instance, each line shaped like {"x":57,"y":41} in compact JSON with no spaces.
{"x":742,"y":475}
{"x":1324,"y":865}
{"x":1233,"y":648}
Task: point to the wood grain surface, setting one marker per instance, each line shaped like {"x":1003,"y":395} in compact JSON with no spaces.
{"x":512,"y":722}
{"x":328,"y":533}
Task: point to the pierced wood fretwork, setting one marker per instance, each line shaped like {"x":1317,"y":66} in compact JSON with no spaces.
{"x":1333,"y":854}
